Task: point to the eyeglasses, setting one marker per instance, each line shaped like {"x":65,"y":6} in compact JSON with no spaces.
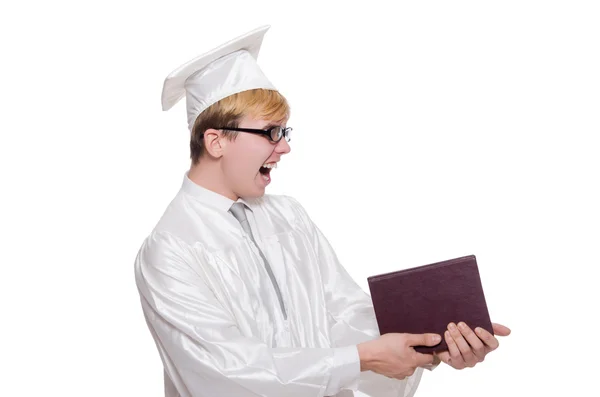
{"x":274,"y":133}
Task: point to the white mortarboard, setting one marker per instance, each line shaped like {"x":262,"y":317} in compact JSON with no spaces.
{"x":216,"y":74}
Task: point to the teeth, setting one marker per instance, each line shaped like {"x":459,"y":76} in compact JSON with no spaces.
{"x":270,"y":165}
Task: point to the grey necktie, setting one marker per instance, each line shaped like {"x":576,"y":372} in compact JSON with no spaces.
{"x":237,"y":210}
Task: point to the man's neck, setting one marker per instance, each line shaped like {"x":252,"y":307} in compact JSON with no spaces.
{"x":208,"y":175}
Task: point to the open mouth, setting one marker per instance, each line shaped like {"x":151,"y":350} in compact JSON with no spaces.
{"x":265,"y":171}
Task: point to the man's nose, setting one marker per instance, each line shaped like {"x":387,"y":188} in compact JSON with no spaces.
{"x":283,"y":146}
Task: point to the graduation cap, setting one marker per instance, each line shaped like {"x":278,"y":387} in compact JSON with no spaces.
{"x":216,"y":74}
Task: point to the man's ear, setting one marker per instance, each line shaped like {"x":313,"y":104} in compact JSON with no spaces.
{"x":214,"y":142}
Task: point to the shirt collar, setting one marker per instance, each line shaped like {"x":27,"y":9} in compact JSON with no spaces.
{"x":208,"y":197}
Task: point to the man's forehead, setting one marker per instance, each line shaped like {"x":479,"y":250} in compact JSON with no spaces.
{"x":268,"y":123}
{"x":263,"y":123}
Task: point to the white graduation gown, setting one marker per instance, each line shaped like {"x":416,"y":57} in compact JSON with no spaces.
{"x":215,"y":316}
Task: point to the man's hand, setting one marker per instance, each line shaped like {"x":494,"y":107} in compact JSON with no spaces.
{"x":393,"y":355}
{"x":467,"y":348}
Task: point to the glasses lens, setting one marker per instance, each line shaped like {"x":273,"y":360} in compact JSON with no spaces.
{"x":288,"y":134}
{"x":276,"y":134}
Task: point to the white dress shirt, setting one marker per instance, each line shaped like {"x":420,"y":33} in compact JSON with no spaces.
{"x":212,"y":310}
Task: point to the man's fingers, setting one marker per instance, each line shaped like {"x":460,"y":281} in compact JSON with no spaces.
{"x":487,"y":338}
{"x":463,"y":346}
{"x":473,"y":340}
{"x":424,"y":359}
{"x":455,"y":359}
{"x":444,"y":356}
{"x":423,"y":339}
{"x":500,"y":329}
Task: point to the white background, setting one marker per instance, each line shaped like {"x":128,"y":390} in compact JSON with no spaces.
{"x":423,"y":131}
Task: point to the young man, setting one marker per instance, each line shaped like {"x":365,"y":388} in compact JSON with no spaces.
{"x":242,"y":293}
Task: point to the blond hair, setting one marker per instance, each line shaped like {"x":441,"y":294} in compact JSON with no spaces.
{"x":258,"y":103}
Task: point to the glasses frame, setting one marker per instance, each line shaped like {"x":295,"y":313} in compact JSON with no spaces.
{"x":284,"y":132}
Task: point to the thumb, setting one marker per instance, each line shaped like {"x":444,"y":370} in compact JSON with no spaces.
{"x":423,"y":339}
{"x":500,"y":329}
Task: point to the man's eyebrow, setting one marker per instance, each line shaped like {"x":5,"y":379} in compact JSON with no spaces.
{"x":270,"y":125}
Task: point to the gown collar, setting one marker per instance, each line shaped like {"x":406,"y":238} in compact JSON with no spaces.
{"x":208,"y":197}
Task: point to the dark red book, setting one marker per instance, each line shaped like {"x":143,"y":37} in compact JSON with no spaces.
{"x":427,"y":298}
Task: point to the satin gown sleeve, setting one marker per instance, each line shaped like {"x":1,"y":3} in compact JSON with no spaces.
{"x":353,"y":314}
{"x":209,"y":356}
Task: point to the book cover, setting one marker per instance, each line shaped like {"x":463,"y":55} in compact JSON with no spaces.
{"x":425,"y":299}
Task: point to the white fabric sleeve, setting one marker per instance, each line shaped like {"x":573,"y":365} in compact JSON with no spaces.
{"x":346,"y":370}
{"x":353,"y":316}
{"x":203,"y":350}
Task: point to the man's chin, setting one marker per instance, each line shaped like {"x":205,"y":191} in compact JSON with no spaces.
{"x":257,"y":191}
